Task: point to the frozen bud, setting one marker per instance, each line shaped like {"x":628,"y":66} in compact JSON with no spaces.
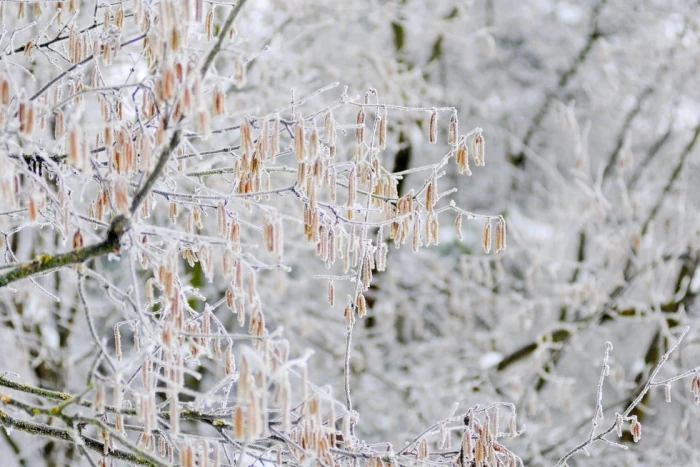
{"x":432,"y":129}
{"x":458,"y":226}
{"x":667,"y":390}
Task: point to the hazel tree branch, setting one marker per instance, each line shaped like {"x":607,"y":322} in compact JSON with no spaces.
{"x":61,"y":434}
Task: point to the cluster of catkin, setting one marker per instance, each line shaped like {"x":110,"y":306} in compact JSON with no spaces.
{"x":480,"y":444}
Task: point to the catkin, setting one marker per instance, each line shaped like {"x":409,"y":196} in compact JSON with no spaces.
{"x":352,"y":187}
{"x":500,"y":235}
{"x":239,"y":75}
{"x":299,"y":139}
{"x":458,"y":226}
{"x":478,"y":148}
{"x":432,"y":130}
{"x":275,"y":144}
{"x":117,"y":343}
{"x":246,"y":138}
{"x":331,"y":293}
{"x":382,"y":128}
{"x":313,"y":146}
{"x":486,"y":236}
{"x":453,"y":131}
{"x":462,"y":157}
{"x":636,"y":430}
{"x":209,"y":25}
{"x":238,"y":424}
{"x":360,"y":129}
{"x":431,"y":194}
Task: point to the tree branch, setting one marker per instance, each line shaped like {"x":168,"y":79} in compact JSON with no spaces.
{"x":47,"y":431}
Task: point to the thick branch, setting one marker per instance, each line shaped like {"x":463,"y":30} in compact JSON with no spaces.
{"x":47,"y":262}
{"x":65,"y":435}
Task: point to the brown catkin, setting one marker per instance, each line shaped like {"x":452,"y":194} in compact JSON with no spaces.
{"x":239,"y":75}
{"x":458,"y":226}
{"x":331,"y":293}
{"x":299,"y":139}
{"x":247,"y":146}
{"x":352,"y":187}
{"x":313,"y":146}
{"x":486,"y":236}
{"x":462,"y":157}
{"x":478,"y":149}
{"x":238,"y":424}
{"x":432,"y":130}
{"x":361,"y":304}
{"x":431,"y":194}
{"x":275,"y":146}
{"x":360,"y":129}
{"x":453,"y":132}
{"x":618,"y":425}
{"x":500,"y":235}
{"x":382,"y":128}
{"x":209,"y":25}
{"x":636,"y":430}
{"x":117,"y":343}
{"x":4,"y":91}
{"x":218,"y":101}
{"x":467,"y":445}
